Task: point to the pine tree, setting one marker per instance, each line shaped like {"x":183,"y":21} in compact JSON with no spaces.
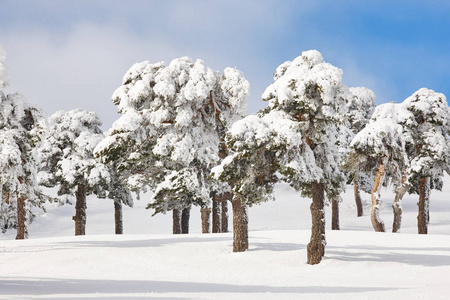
{"x":20,"y":134}
{"x":381,"y":150}
{"x":69,"y":163}
{"x":430,"y":156}
{"x":297,"y":136}
{"x":168,"y":136}
{"x":360,"y":109}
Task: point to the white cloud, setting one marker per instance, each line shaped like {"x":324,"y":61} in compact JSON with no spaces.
{"x":81,"y":70}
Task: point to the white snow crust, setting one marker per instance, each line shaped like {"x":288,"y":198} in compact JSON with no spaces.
{"x":147,"y":262}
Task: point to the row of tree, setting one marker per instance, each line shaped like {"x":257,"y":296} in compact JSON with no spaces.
{"x":183,"y":134}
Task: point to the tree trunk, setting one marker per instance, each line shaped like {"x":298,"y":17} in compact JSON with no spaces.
{"x":316,"y":246}
{"x":335,"y":214}
{"x":245,"y":224}
{"x":185,"y":215}
{"x":225,"y":215}
{"x":424,"y":205}
{"x":377,"y":223}
{"x":176,"y":217}
{"x":240,"y":226}
{"x":397,"y":205}
{"x":216,"y":214}
{"x":80,"y":211}
{"x":359,"y":206}
{"x":118,"y":219}
{"x":21,"y":219}
{"x":205,"y":213}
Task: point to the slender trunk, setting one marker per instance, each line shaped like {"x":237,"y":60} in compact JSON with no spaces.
{"x":377,"y":223}
{"x":240,"y":226}
{"x":245,"y":224}
{"x":21,"y":219}
{"x":225,"y":215}
{"x":397,"y":206}
{"x":118,"y":217}
{"x":335,"y":214}
{"x":185,"y":215}
{"x":316,"y":246}
{"x":359,"y":206}
{"x":80,"y":211}
{"x":216,"y":214}
{"x":205,"y":213}
{"x":424,"y":203}
{"x":176,"y":217}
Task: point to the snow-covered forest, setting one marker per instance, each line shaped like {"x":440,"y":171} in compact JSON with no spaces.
{"x":300,"y":188}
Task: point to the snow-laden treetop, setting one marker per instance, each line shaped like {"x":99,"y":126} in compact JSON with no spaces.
{"x":299,"y":135}
{"x":3,"y":70}
{"x":310,"y":84}
{"x":410,"y":138}
{"x":174,"y":117}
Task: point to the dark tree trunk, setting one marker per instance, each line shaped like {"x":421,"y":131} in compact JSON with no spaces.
{"x":176,"y":217}
{"x":118,"y":219}
{"x":316,"y":246}
{"x":205,"y":213}
{"x":245,"y":224}
{"x":216,"y":214}
{"x":359,"y":206}
{"x":424,"y":203}
{"x":80,"y":211}
{"x":185,"y":215}
{"x":377,"y":223}
{"x":21,"y":219}
{"x":240,"y":226}
{"x":335,"y":214}
{"x":225,"y":215}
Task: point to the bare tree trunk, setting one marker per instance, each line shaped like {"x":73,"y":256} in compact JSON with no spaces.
{"x":176,"y":218}
{"x":240,"y":226}
{"x":205,"y":213}
{"x":216,"y":214}
{"x":359,"y":206}
{"x":225,"y":215}
{"x":21,"y":219}
{"x":377,"y":223}
{"x":118,"y":219}
{"x":397,"y":206}
{"x":245,"y":224}
{"x":185,"y":215}
{"x":424,"y":205}
{"x":335,"y":214}
{"x":80,"y":211}
{"x":316,"y":246}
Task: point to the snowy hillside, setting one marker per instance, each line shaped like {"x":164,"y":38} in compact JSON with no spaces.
{"x":148,"y":262}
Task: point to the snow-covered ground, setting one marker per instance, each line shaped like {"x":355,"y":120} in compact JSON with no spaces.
{"x":148,"y":262}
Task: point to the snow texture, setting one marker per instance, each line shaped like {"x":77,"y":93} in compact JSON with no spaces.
{"x":67,"y":153}
{"x":300,"y":134}
{"x":145,"y":262}
{"x":173,"y":118}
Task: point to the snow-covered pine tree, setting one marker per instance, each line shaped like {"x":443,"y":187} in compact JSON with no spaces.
{"x":297,"y":136}
{"x":311,"y":93}
{"x":430,"y":156}
{"x":381,"y":150}
{"x":20,"y":133}
{"x":69,"y":163}
{"x":360,"y":108}
{"x":251,"y":167}
{"x":168,"y":136}
{"x":118,"y":192}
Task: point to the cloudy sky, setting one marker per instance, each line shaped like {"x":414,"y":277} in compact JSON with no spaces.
{"x":73,"y":54}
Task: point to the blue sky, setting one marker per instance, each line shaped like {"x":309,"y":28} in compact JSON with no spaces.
{"x":73,"y":54}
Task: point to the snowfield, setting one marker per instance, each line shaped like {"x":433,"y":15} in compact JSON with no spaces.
{"x":149,"y":262}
